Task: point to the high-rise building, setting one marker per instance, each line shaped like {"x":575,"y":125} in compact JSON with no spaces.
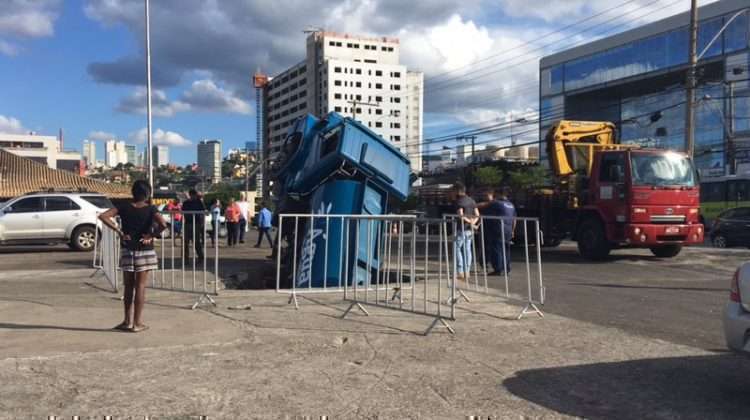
{"x":636,"y":79}
{"x":132,"y":154}
{"x":209,"y":159}
{"x":355,"y":76}
{"x":89,"y":153}
{"x":115,"y":153}
{"x":161,"y":155}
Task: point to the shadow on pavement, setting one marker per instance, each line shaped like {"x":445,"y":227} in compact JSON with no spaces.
{"x":10,"y":326}
{"x":713,"y":386}
{"x":625,"y":286}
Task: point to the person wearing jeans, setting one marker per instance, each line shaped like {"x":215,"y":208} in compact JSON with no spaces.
{"x":264,"y":226}
{"x":468,"y":213}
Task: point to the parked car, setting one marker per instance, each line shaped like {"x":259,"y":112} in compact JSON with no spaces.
{"x":731,"y":228}
{"x":43,"y":218}
{"x":737,"y":311}
{"x":209,"y":226}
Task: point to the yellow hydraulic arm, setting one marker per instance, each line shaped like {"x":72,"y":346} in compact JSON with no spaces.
{"x":570,"y":144}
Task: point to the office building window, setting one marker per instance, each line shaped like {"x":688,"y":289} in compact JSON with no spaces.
{"x":331,"y":43}
{"x":359,"y":97}
{"x":337,"y":82}
{"x":378,"y":124}
{"x":371,"y":61}
{"x":337,"y":69}
{"x":378,"y":99}
{"x":397,"y":138}
{"x":358,"y":71}
{"x":336,"y":96}
{"x":378,"y":111}
{"x":378,"y":72}
{"x":396,"y":74}
{"x":378,"y":86}
{"x":337,"y":109}
{"x":358,"y":84}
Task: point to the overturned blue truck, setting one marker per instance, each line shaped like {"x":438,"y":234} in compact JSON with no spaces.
{"x":334,"y":166}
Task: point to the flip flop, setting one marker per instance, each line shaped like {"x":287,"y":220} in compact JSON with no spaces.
{"x":136,"y":329}
{"x":121,"y":327}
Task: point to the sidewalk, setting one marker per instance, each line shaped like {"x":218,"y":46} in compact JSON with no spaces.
{"x":58,"y":357}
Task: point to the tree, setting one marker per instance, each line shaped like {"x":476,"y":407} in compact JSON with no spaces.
{"x":223,"y":192}
{"x":488,"y":176}
{"x":528,"y":178}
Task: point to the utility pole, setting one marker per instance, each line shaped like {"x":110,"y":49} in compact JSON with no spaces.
{"x":148,"y":100}
{"x":355,"y":104}
{"x":691,"y":81}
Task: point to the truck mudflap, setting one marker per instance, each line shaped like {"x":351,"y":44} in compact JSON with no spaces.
{"x":648,"y":235}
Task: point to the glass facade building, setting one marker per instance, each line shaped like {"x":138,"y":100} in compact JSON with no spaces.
{"x":636,"y":79}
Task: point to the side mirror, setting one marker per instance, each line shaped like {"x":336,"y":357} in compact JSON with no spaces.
{"x":6,"y":210}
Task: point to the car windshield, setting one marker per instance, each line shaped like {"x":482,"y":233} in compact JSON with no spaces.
{"x":662,"y":170}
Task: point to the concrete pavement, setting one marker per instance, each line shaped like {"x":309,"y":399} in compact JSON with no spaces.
{"x":57,"y":357}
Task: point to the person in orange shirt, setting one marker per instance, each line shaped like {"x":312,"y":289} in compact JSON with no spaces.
{"x":232,"y":216}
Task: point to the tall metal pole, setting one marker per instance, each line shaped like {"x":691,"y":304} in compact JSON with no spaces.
{"x":149,"y":145}
{"x":691,"y":80}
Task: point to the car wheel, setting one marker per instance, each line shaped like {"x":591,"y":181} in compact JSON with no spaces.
{"x":592,"y":242}
{"x":83,"y":238}
{"x":666,"y":251}
{"x":719,"y":241}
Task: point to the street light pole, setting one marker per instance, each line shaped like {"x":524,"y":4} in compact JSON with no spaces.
{"x":148,"y":100}
{"x":691,"y":80}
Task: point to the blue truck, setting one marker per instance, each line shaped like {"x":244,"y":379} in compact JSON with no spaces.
{"x":334,"y":166}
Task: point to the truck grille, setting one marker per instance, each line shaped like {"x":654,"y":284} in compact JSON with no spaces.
{"x":668,"y":219}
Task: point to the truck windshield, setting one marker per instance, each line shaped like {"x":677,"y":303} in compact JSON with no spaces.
{"x":662,"y":170}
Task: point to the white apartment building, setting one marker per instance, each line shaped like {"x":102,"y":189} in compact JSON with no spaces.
{"x":357,"y":77}
{"x":42,"y":149}
{"x":161,"y":155}
{"x":89,"y":153}
{"x":115,"y":153}
{"x":209,"y":159}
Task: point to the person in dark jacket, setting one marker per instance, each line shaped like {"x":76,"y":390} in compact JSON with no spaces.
{"x":140,"y":224}
{"x":498,"y":234}
{"x":194,"y":219}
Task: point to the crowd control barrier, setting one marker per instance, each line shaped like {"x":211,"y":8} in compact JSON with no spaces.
{"x":188,"y":258}
{"x":488,"y":243}
{"x":395,"y":262}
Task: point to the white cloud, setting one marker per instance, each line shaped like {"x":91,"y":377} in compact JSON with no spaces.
{"x":205,"y":95}
{"x":32,"y":19}
{"x":10,"y":125}
{"x":160,"y":137}
{"x":161,"y":106}
{"x":6,"y":48}
{"x":99,"y":135}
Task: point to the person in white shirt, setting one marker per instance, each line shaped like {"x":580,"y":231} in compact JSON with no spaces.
{"x":244,"y":218}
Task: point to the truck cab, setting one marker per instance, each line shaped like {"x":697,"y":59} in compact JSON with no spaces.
{"x":639,"y":198}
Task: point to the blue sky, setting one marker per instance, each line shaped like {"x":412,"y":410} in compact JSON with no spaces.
{"x":74,"y":64}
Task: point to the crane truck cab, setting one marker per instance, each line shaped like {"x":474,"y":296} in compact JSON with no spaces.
{"x":621,"y":195}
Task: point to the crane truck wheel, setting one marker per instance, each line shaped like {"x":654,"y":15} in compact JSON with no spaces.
{"x":666,"y":251}
{"x":592,"y":242}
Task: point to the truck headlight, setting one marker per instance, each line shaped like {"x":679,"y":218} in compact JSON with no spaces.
{"x":639,"y":210}
{"x":637,"y":231}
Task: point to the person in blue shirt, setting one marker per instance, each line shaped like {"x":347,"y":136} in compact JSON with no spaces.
{"x":264,"y":225}
{"x":496,"y":230}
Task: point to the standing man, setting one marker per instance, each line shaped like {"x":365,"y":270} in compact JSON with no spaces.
{"x":264,"y":225}
{"x":232,"y":216}
{"x":215,"y":223}
{"x":244,"y":216}
{"x":499,"y":232}
{"x":466,"y":208}
{"x":195,"y":219}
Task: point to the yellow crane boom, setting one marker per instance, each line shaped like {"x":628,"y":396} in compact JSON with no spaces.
{"x":571,"y":144}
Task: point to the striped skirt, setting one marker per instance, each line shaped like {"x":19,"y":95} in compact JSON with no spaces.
{"x":137,"y":261}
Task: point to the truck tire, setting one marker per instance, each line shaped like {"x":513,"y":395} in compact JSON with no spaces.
{"x":666,"y":251}
{"x":83,"y":238}
{"x":551,"y":242}
{"x":592,"y":241}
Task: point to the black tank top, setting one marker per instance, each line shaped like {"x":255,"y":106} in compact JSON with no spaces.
{"x":136,"y":222}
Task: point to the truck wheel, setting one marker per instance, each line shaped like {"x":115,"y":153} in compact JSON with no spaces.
{"x":592,"y":242}
{"x":719,"y":241}
{"x":83,"y":238}
{"x":666,"y":251}
{"x":551,"y":242}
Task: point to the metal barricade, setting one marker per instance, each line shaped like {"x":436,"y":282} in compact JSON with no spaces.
{"x":391,"y":261}
{"x":475,"y":248}
{"x":109,"y":256}
{"x":186,"y":262}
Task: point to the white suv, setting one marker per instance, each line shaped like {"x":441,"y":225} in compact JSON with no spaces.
{"x":43,"y":218}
